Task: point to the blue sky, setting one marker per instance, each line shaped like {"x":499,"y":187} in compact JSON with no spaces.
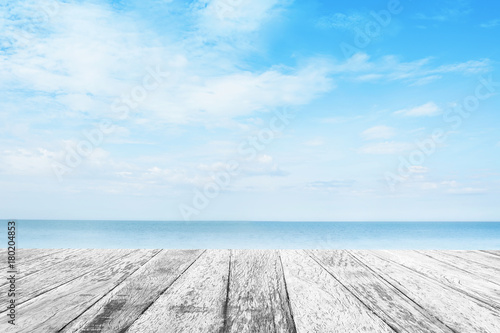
{"x":365,"y":87}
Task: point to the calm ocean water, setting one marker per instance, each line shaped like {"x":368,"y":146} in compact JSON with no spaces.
{"x":250,"y":235}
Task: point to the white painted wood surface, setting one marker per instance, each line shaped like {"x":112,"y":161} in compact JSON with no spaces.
{"x":52,"y":277}
{"x":265,"y":291}
{"x":399,"y":311}
{"x":51,"y":310}
{"x":320,"y":303}
{"x":457,"y":310}
{"x":257,"y":300}
{"x":118,"y":309}
{"x":482,"y":271}
{"x":196,"y":302}
{"x":463,"y":281}
{"x":40,"y":262}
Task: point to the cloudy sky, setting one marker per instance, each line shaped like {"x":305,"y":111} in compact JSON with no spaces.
{"x":250,"y":110}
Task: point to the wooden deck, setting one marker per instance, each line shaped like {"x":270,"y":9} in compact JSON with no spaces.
{"x":255,"y":291}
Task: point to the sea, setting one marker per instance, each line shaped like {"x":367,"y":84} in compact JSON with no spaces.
{"x":255,"y":235}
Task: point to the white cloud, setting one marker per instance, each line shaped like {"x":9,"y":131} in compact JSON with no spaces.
{"x":450,"y":183}
{"x":418,"y":169}
{"x":425,"y":80}
{"x":223,"y":17}
{"x":385,"y":148}
{"x":263,"y":169}
{"x":378,"y":132}
{"x":239,"y":94}
{"x":87,"y":57}
{"x":263,"y":165}
{"x":427,"y":109}
{"x":329,"y":184}
{"x":454,"y":187}
{"x":359,"y":62}
{"x":428,"y":186}
{"x":390,"y":68}
{"x":170,"y":176}
{"x":491,"y":24}
{"x":91,"y":56}
{"x":369,"y":77}
{"x":339,"y":120}
{"x":467,"y":190}
{"x":264,"y":159}
{"x":340,"y":21}
{"x":83,"y":57}
{"x":453,"y":11}
{"x":314,"y":142}
{"x":27,"y":162}
{"x":468,"y":67}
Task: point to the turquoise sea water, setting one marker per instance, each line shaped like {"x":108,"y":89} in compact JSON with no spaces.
{"x":253,"y":235}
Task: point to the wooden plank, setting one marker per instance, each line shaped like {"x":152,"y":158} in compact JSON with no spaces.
{"x":195,"y":302}
{"x":482,"y":271}
{"x":382,"y":298}
{"x":51,"y":311}
{"x":257,"y":300}
{"x":27,"y":255}
{"x":24,"y":256}
{"x":457,"y":279}
{"x":64,"y":272}
{"x":45,"y":262}
{"x":123,"y":305}
{"x":3,"y":257}
{"x":456,"y":310}
{"x":320,"y":303}
{"x":258,"y":291}
{"x":477,"y":256}
{"x":494,"y":252}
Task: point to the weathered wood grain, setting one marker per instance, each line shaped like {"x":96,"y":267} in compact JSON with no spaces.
{"x":27,"y":255}
{"x":22,"y":253}
{"x":320,"y":303}
{"x":63,"y":272}
{"x":456,"y":310}
{"x":195,"y":302}
{"x":47,"y":261}
{"x":3,"y":257}
{"x":455,"y":278}
{"x":124,"y":304}
{"x":382,"y":298}
{"x":481,"y":271}
{"x":477,"y":256}
{"x":24,"y":256}
{"x":497,"y":253}
{"x":52,"y":310}
{"x":268,"y":291}
{"x":257,"y":300}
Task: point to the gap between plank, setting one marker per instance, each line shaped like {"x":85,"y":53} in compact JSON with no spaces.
{"x":294,"y":328}
{"x":109,"y":291}
{"x":452,"y":265}
{"x":64,"y":283}
{"x":352,"y":293}
{"x":478,"y":300}
{"x":226,"y":303}
{"x":420,"y":307}
{"x":125,"y":329}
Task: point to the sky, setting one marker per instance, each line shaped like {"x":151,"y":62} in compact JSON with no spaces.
{"x":250,"y":110}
